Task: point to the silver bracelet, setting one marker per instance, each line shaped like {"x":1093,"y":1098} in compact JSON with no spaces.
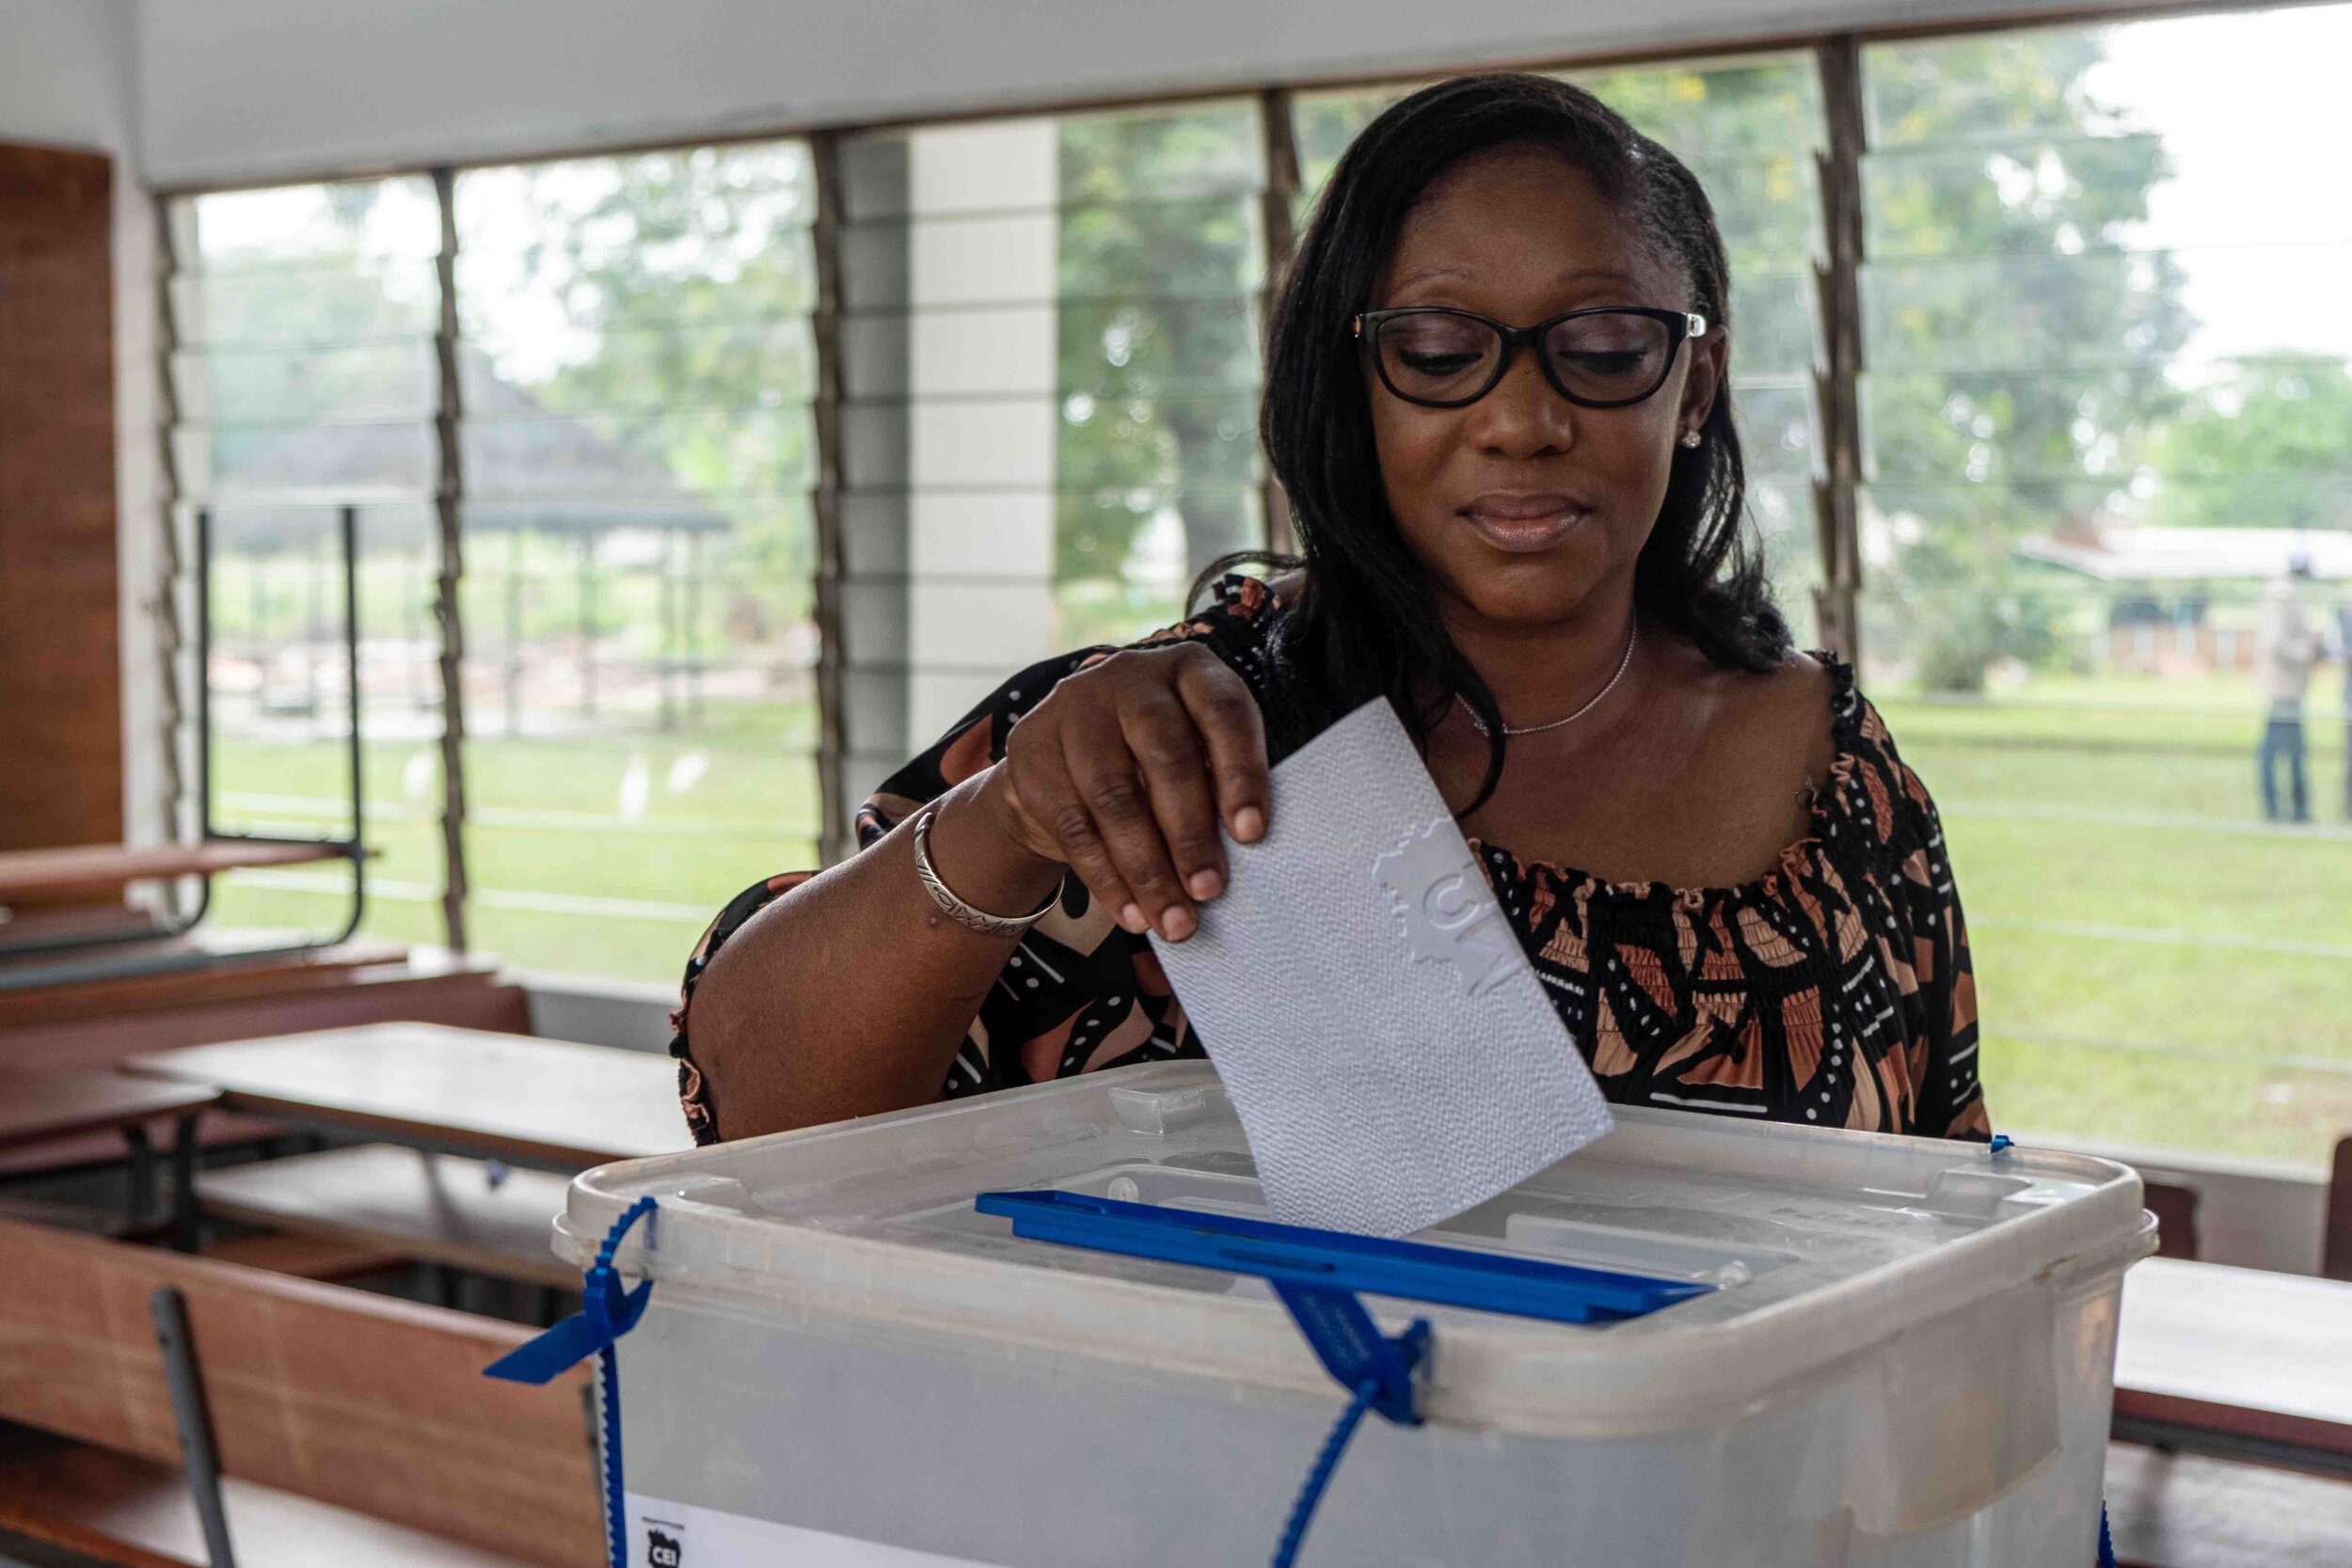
{"x":956,"y":909}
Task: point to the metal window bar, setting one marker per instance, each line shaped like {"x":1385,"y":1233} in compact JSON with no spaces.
{"x":170,"y":631}
{"x":1837,"y":375}
{"x":448,"y":507}
{"x":1280,"y":198}
{"x":834,"y":843}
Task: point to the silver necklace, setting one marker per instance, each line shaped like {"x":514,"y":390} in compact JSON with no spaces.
{"x":1623,"y":665}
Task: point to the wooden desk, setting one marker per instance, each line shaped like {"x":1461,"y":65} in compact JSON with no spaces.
{"x":32,"y":873}
{"x":38,"y":1106}
{"x":45,"y":1107}
{"x":515,"y":1097}
{"x":2241,"y":1363}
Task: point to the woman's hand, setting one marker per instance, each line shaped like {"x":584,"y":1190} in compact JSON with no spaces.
{"x":1123,"y":773}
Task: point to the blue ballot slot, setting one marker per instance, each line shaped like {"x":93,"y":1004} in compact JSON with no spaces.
{"x":1301,"y":1255}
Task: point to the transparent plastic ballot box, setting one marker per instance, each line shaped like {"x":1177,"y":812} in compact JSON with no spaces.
{"x":1906,"y":1361}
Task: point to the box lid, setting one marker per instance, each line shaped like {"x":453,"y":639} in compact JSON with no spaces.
{"x":1827,"y":1246}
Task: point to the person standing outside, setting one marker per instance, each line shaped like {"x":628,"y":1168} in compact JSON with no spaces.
{"x":2343,"y":656}
{"x":2287,"y":648}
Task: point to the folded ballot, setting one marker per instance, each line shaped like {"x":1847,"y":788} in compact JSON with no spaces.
{"x":1390,"y":1051}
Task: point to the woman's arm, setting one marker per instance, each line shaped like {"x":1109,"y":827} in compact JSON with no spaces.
{"x":850,"y":993}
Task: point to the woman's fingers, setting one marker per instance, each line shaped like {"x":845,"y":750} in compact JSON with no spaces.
{"x":1168,"y":748}
{"x":1128,"y":767}
{"x":1226,"y":717}
{"x":1052,"y":797}
{"x":1105,"y":772}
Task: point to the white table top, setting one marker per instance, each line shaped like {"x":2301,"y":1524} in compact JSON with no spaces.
{"x":2244,"y":1337}
{"x":513,"y":1095}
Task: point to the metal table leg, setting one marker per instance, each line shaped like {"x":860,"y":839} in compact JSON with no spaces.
{"x":186,"y":1221}
{"x":140,"y":1206}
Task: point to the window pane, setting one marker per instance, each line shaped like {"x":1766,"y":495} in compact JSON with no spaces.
{"x":1050,"y":360}
{"x":1751,"y":131}
{"x":2107,"y":405}
{"x":636,"y":365}
{"x":303,"y":383}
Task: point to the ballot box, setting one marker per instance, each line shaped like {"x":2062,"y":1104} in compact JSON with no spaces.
{"x":1901,"y":1356}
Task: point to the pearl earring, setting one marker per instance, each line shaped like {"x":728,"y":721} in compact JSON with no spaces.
{"x":1689,"y":437}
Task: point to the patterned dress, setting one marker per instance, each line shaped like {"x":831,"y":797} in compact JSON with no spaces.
{"x":1836,"y":990}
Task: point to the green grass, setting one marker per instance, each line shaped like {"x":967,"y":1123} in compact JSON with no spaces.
{"x":560,"y":879}
{"x":2156,"y":965}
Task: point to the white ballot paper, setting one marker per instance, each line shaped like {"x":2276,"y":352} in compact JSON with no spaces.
{"x":1392,"y":1054}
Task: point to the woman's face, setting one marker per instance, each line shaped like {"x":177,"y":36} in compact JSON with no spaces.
{"x":1525,"y":509}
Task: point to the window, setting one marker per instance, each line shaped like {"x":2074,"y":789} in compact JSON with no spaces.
{"x":2106,"y":402}
{"x":304,"y":383}
{"x":636,"y":367}
{"x":1050,"y":368}
{"x":1751,"y":130}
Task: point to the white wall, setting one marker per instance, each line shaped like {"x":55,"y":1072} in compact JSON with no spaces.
{"x":2255,"y":1213}
{"x":69,"y":73}
{"x":248,"y":89}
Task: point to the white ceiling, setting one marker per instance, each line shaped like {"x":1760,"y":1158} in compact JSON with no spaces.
{"x":234,"y":90}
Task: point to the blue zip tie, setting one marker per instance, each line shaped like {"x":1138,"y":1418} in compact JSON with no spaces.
{"x":1319,"y":1477}
{"x":606,"y":1312}
{"x":1378,"y":1371}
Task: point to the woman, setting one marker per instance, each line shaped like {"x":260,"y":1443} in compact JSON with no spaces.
{"x":1497,"y":396}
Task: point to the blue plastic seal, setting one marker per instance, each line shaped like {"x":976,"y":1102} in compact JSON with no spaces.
{"x":607,"y":1313}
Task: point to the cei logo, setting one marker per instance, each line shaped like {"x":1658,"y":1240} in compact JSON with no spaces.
{"x":1448,"y":914}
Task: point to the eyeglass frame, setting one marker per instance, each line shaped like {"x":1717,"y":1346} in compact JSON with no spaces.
{"x":1366,"y":328}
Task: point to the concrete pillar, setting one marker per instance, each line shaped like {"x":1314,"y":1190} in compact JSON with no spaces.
{"x":948,"y":268}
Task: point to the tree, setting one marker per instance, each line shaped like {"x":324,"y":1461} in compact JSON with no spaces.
{"x":685,"y":278}
{"x":305,"y":378}
{"x":2269,"y":446}
{"x":684,"y":274}
{"x":1157,"y":351}
{"x":2017,"y":344}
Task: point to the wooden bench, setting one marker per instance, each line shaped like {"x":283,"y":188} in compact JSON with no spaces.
{"x":445,"y":1208}
{"x":117,"y":1508}
{"x":363,"y":1408}
{"x":2236,"y":1363}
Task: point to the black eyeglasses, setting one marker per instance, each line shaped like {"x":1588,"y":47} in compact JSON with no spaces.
{"x":1606,"y":358}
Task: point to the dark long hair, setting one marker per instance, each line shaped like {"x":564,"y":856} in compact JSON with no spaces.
{"x":1365,"y":626}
